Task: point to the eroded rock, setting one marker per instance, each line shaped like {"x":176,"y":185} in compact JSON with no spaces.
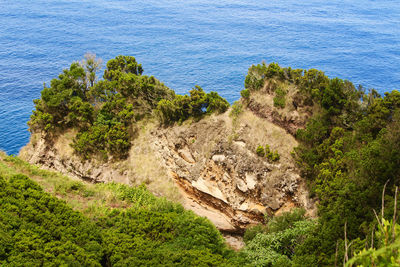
{"x":213,"y":163}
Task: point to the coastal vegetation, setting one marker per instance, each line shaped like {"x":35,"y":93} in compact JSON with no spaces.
{"x":49,"y":219}
{"x":348,"y":154}
{"x":105,"y":112}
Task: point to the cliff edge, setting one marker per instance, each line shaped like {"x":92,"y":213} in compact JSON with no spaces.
{"x":210,"y":166}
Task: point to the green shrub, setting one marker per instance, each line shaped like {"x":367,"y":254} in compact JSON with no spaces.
{"x":196,"y":105}
{"x":215,"y":103}
{"x":275,"y":243}
{"x":255,"y":77}
{"x":39,"y":229}
{"x":260,"y":151}
{"x":267,"y":152}
{"x":275,"y":156}
{"x":245,"y":93}
{"x":103,"y":112}
{"x":252,"y":231}
{"x":279,"y":99}
{"x":237,"y":109}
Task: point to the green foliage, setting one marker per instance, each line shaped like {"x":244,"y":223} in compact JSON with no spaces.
{"x":275,"y":244}
{"x":39,"y":229}
{"x":313,"y":82}
{"x":237,"y":109}
{"x":260,"y":151}
{"x":253,"y":231}
{"x":104,"y":112}
{"x":258,"y":74}
{"x":54,"y":105}
{"x":122,"y":65}
{"x":386,"y":250}
{"x":245,"y":93}
{"x":81,"y":113}
{"x":286,"y":220}
{"x":216,"y":103}
{"x":110,"y":133}
{"x":279,"y":99}
{"x":267,"y":152}
{"x":347,"y":152}
{"x":41,"y":120}
{"x":196,"y":105}
{"x":255,"y":77}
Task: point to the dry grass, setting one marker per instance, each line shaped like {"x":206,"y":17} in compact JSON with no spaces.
{"x":264,"y":132}
{"x":142,"y":165}
{"x":64,"y":141}
{"x":147,"y":167}
{"x":267,"y":99}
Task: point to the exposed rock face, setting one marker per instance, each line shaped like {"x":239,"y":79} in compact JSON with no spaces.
{"x":221,"y":173}
{"x":212,"y":162}
{"x":48,"y":155}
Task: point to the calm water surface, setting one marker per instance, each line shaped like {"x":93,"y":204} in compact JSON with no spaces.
{"x":184,"y":43}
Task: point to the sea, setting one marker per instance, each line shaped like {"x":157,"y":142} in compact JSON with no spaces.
{"x":188,"y":43}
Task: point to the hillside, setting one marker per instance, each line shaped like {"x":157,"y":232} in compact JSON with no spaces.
{"x":208,"y":164}
{"x":294,"y":133}
{"x":71,"y":223}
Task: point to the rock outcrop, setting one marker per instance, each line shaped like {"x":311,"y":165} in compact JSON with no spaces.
{"x":216,"y":167}
{"x":211,"y":164}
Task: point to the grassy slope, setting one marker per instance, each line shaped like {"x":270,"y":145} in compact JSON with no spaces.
{"x":118,"y":210}
{"x":91,"y":199}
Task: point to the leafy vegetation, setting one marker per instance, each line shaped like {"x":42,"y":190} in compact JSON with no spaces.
{"x":275,"y":243}
{"x":40,"y":229}
{"x":279,"y":99}
{"x":347,"y":163}
{"x":347,"y":151}
{"x":105,"y":111}
{"x":197,"y":104}
{"x":267,"y":152}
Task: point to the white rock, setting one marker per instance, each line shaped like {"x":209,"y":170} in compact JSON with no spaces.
{"x":241,"y":185}
{"x":207,"y":187}
{"x":218,"y":158}
{"x":251,"y":181}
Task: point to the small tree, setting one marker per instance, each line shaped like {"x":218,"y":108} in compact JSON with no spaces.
{"x":92,"y":65}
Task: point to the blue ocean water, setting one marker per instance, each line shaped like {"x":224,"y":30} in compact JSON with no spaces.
{"x":184,"y":43}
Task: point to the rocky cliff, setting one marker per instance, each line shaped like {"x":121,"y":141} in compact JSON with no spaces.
{"x":210,"y":166}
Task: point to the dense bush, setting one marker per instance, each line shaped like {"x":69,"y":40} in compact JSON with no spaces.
{"x":279,"y":99}
{"x":104,"y":112}
{"x":245,"y":93}
{"x":258,"y":74}
{"x":260,"y":151}
{"x":347,"y":152}
{"x":275,"y":243}
{"x":39,"y":229}
{"x":197,"y":104}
